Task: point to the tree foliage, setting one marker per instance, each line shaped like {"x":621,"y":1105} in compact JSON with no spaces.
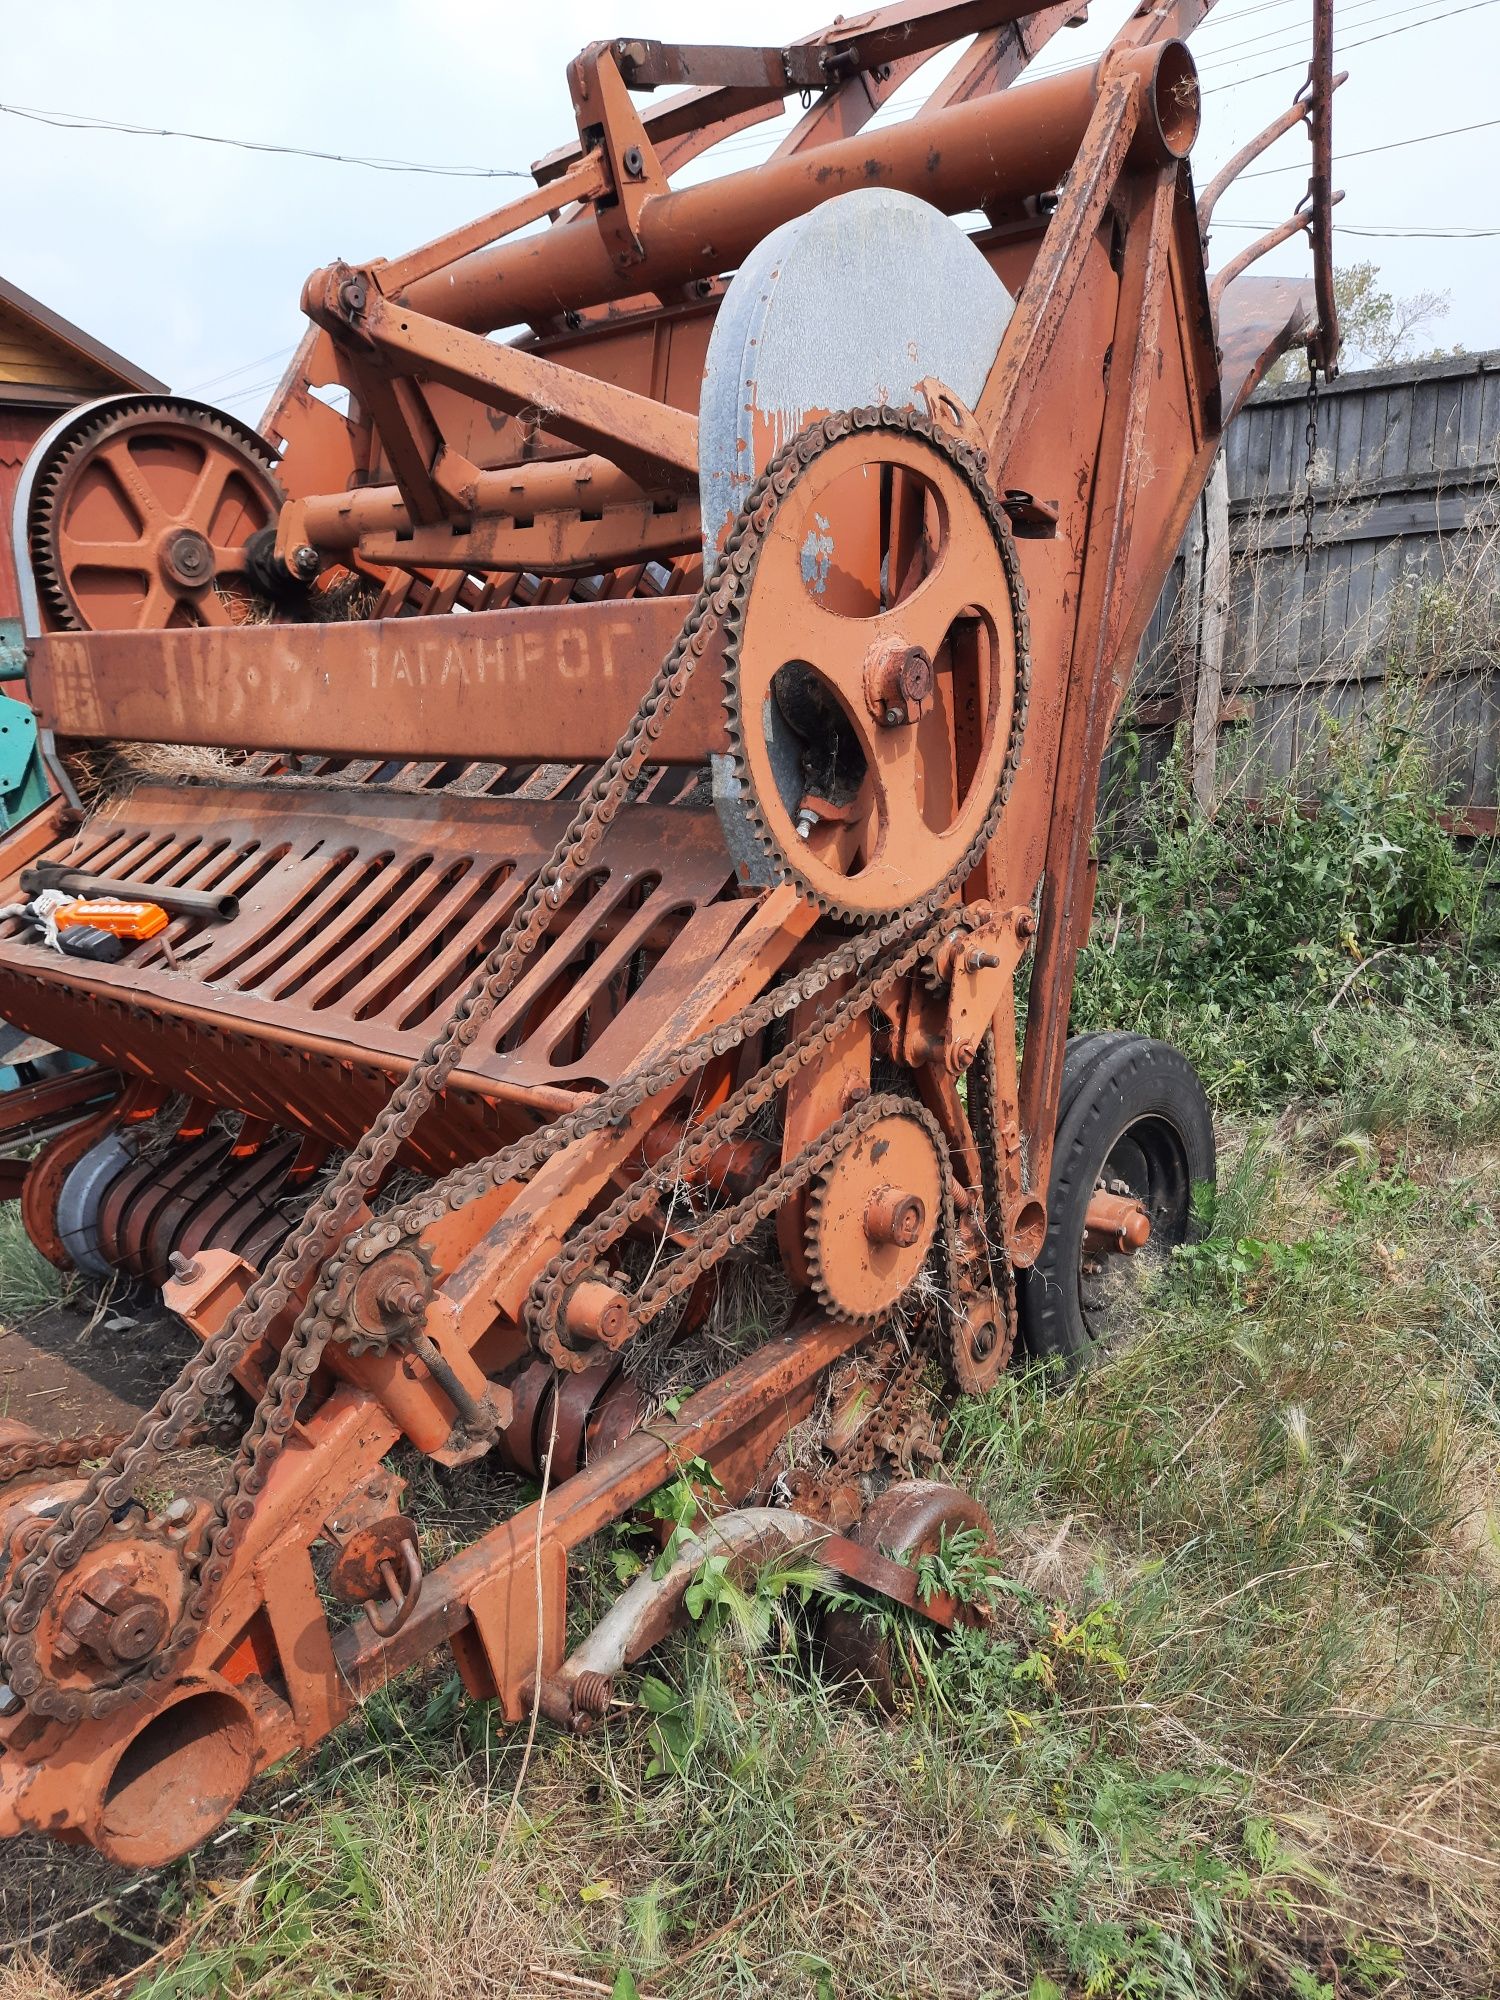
{"x":1379,"y":327}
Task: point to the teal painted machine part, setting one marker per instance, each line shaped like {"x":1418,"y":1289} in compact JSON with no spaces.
{"x":23,"y":782}
{"x":12,"y":650}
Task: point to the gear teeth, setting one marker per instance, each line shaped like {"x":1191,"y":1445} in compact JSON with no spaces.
{"x":813,"y":1237}
{"x":44,"y":524}
{"x":796,"y":458}
{"x":812,"y":1241}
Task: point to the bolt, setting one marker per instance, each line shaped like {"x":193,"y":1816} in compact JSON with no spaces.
{"x":306,"y":562}
{"x":807,"y":819}
{"x":178,"y":1514}
{"x":978,"y":961}
{"x":892,"y":718}
{"x":186,"y":1270}
{"x":572,"y":319}
{"x":403,"y":1297}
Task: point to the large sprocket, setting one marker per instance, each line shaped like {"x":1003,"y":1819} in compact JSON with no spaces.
{"x":144,"y":513}
{"x":877,"y":671}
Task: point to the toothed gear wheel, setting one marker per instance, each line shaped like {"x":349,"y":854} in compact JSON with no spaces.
{"x":877,"y":672}
{"x":116,"y":1606}
{"x":378,"y":1305}
{"x":143,"y":516}
{"x":871,"y":1218}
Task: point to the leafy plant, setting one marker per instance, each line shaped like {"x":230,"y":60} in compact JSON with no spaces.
{"x":1242,"y":935}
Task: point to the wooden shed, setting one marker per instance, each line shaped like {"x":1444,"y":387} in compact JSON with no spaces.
{"x":47,"y":365}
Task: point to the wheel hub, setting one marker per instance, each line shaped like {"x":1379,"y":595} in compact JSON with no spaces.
{"x":186,"y":558}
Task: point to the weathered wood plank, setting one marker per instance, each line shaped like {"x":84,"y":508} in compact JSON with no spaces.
{"x":1408,"y":482}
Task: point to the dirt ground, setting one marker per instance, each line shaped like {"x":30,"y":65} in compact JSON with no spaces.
{"x":67,"y":1371}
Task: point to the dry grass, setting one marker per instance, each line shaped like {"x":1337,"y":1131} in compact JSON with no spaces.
{"x":28,"y":1977}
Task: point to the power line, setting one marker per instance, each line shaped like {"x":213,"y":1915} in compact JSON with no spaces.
{"x":78,"y":121}
{"x":82,"y":121}
{"x":1213,"y":53}
{"x":1455,"y":233}
{"x":1434,"y":235}
{"x":1361,"y":152}
{"x":1294,"y":37}
{"x":220,"y":382}
{"x":1386,"y":34}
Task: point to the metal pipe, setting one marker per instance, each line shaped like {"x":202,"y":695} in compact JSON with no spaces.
{"x":1323,"y":350}
{"x":518,"y":492}
{"x":179,"y":902}
{"x":998,"y":147}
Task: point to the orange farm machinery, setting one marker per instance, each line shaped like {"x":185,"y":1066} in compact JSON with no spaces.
{"x":602,"y":758}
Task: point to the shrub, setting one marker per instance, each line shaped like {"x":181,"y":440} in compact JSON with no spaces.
{"x":1239,"y":934}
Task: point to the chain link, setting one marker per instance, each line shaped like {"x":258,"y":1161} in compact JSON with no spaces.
{"x":1310,"y":434}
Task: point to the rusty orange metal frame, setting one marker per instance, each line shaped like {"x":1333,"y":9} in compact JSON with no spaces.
{"x":413,"y":774}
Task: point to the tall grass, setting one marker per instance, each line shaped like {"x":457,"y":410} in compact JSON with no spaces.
{"x":27,"y":1281}
{"x":1254,"y":935}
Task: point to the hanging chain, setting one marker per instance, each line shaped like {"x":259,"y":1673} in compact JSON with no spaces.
{"x":1310,"y":432}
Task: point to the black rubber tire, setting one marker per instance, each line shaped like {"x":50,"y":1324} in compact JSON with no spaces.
{"x":1137,"y":1108}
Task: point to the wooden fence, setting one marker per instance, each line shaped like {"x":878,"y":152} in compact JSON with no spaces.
{"x":1258,"y":645}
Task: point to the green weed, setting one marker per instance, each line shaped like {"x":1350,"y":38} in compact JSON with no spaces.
{"x":1252,"y":937}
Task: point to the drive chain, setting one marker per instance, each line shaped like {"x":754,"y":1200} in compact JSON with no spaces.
{"x":309,"y":1259}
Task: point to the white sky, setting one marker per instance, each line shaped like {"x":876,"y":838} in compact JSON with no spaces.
{"x":190,"y":258}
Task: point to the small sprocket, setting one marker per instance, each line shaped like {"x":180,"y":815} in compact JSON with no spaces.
{"x":871,"y":1218}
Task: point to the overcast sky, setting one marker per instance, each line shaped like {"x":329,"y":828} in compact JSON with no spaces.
{"x":189,"y":258}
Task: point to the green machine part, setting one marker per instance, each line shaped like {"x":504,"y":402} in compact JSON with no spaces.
{"x":23,"y":779}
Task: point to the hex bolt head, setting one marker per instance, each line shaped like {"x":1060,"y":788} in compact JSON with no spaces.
{"x":306,"y":562}
{"x":404,"y":1299}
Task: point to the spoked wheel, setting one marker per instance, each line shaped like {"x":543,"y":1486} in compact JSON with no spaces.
{"x":908,"y":1521}
{"x":876,"y":675}
{"x":1133,"y":1124}
{"x":144,"y":513}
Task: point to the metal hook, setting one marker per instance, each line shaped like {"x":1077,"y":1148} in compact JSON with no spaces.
{"x":404,"y":1593}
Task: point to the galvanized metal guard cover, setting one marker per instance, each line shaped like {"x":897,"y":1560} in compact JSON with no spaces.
{"x":852,"y":304}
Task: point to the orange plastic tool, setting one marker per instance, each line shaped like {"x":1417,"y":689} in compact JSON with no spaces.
{"x":108,"y":913}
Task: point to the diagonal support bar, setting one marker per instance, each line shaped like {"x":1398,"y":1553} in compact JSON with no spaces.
{"x":650,"y":441}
